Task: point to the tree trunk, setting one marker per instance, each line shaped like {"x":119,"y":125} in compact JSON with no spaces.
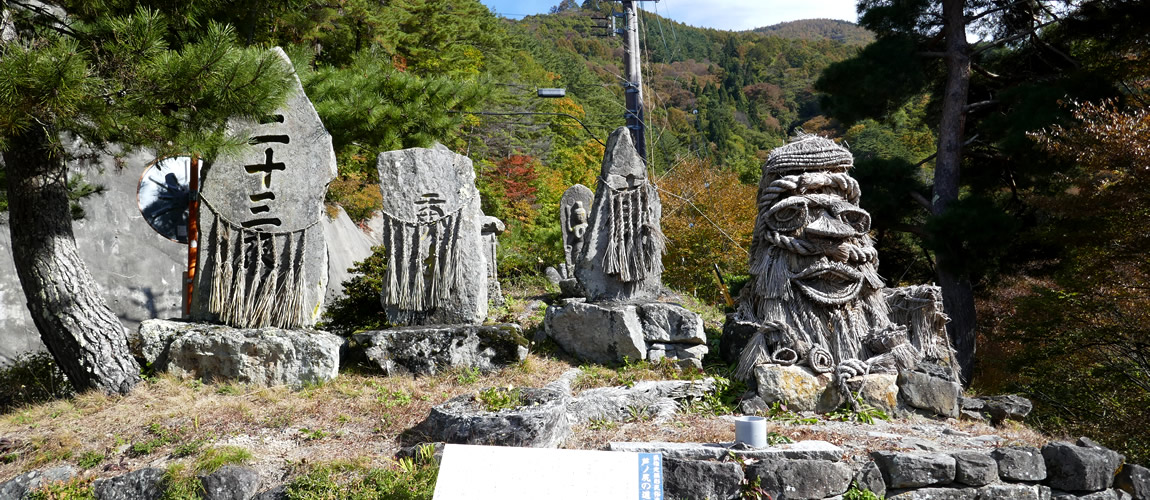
{"x":957,"y":295}
{"x":87,"y":340}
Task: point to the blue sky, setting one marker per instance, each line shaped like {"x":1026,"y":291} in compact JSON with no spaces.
{"x":718,"y":14}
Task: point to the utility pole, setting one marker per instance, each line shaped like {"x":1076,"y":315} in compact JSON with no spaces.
{"x":632,"y":68}
{"x":633,"y":87}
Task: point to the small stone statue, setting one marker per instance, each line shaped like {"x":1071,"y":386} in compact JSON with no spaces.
{"x":573,"y":212}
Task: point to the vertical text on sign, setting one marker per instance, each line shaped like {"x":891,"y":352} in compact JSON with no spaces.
{"x":261,"y":200}
{"x":650,"y":476}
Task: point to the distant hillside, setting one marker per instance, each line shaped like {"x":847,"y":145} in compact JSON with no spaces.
{"x":820,"y":29}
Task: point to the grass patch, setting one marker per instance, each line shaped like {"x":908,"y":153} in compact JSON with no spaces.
{"x":75,"y":489}
{"x":406,"y":479}
{"x":866,"y":413}
{"x":90,"y":459}
{"x":160,"y":436}
{"x":495,"y":399}
{"x":214,"y":458}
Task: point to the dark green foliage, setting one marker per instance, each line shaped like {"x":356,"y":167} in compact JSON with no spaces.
{"x":972,"y":235}
{"x":32,"y":378}
{"x":361,"y":307}
{"x":879,"y":80}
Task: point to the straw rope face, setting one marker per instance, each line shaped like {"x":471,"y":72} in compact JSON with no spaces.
{"x":814,"y":266}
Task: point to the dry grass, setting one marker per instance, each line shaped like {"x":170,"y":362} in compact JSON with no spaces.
{"x":353,"y":417}
{"x":361,"y":418}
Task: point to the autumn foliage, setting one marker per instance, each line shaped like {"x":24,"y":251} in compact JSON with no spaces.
{"x":708,"y":216}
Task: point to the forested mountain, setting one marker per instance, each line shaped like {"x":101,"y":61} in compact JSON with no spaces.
{"x":820,"y":29}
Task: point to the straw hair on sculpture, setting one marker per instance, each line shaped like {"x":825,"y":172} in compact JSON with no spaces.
{"x":814,"y":270}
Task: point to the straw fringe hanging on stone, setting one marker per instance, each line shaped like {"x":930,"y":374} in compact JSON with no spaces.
{"x":409,"y":292}
{"x":636,"y":244}
{"x":253,"y":284}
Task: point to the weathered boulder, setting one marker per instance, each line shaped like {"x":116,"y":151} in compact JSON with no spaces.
{"x":432,"y":225}
{"x":974,"y":468}
{"x":264,"y":356}
{"x":752,"y":404}
{"x":540,"y":422}
{"x":20,"y":486}
{"x":658,"y":399}
{"x":262,"y":257}
{"x":933,"y":494}
{"x":913,"y":470}
{"x":869,"y":478}
{"x":1097,"y":495}
{"x":798,"y":387}
{"x":1019,"y":463}
{"x":926,"y":392}
{"x":701,"y":479}
{"x":142,"y":484}
{"x":813,"y":479}
{"x":1007,"y":407}
{"x":609,"y":333}
{"x":1010,"y":491}
{"x":876,"y":389}
{"x":671,"y":324}
{"x":1079,"y":468}
{"x":597,"y":333}
{"x":230,"y":482}
{"x":1135,"y":480}
{"x":427,"y":350}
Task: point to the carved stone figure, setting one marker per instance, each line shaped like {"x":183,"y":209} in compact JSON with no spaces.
{"x":815,"y":296}
{"x":437,"y":270}
{"x":262,"y":255}
{"x":573,"y":213}
{"x":612,"y":310}
{"x":622,"y":256}
{"x":492,"y":228}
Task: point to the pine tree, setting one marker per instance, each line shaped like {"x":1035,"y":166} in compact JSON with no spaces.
{"x":142,"y":79}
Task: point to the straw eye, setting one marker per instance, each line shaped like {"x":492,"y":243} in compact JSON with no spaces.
{"x":788,"y":215}
{"x":859,"y":220}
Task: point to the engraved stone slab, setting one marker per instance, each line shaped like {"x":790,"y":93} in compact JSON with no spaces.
{"x":262,"y":255}
{"x":432,"y":224}
{"x":574,"y":209}
{"x":622,"y":257}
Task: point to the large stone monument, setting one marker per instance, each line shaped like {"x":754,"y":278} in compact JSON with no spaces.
{"x":436,"y":263}
{"x":263,"y":257}
{"x":618,"y":265}
{"x":439,"y":266}
{"x":815,"y":298}
{"x":262,"y":266}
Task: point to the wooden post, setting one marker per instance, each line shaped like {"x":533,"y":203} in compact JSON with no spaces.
{"x":193,"y":231}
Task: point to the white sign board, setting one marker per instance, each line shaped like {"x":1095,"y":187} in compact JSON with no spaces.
{"x":470,"y":472}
